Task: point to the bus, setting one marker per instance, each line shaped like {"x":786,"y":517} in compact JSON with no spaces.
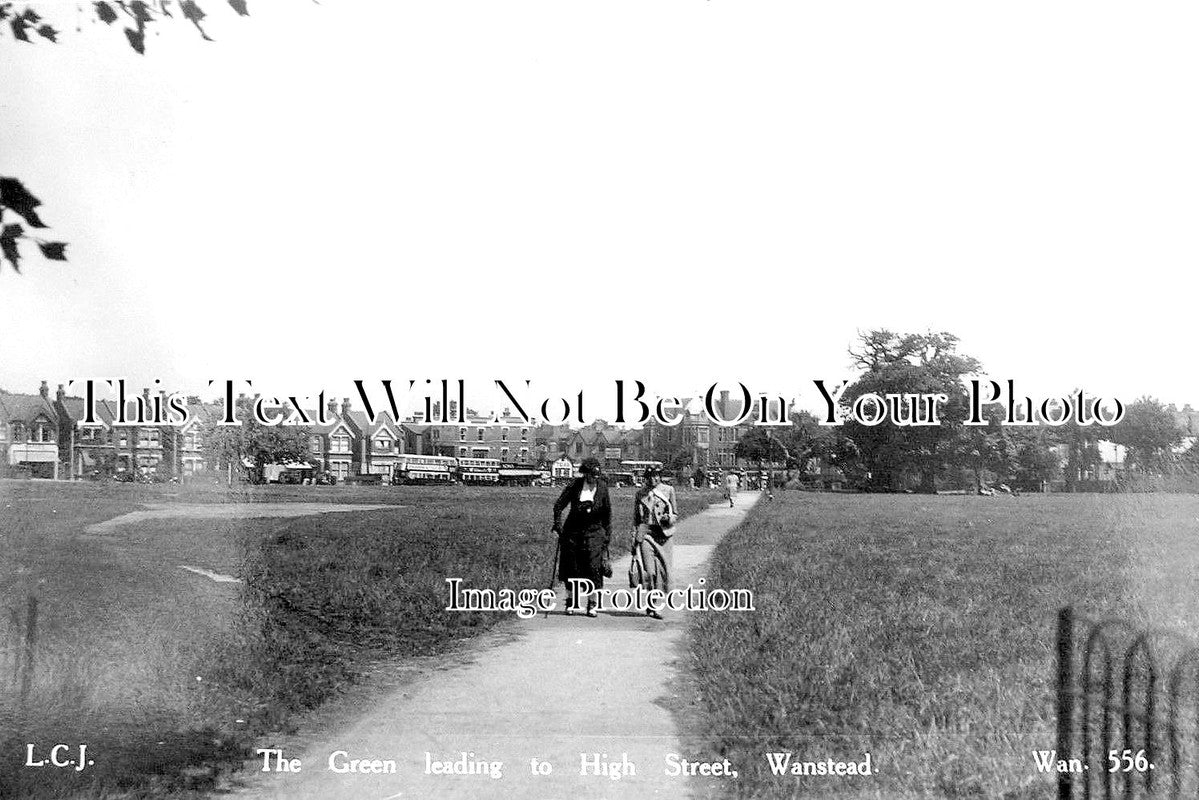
{"x":479,"y":470}
{"x":423,"y":469}
{"x":637,"y":469}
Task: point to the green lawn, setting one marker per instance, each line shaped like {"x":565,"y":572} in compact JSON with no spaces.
{"x":921,"y":629}
{"x":167,"y":673}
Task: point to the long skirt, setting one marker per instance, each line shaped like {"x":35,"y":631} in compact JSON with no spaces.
{"x":583,"y":556}
{"x":652,"y":569}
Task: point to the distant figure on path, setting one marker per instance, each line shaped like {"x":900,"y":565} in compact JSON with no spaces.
{"x":584,"y":532}
{"x":655,"y":513}
{"x":730,"y":487}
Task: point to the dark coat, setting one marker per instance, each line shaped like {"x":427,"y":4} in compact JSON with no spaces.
{"x":584,"y":529}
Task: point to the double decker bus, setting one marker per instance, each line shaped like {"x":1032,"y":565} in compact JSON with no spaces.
{"x":423,"y":469}
{"x":479,"y":470}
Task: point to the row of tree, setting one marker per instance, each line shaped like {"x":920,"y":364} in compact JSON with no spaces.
{"x":889,"y":457}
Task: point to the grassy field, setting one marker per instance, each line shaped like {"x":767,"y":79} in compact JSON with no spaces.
{"x":171,"y":676}
{"x":921,"y":629}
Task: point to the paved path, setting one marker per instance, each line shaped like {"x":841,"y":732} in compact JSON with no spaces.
{"x":564,"y":686}
{"x":224,"y":511}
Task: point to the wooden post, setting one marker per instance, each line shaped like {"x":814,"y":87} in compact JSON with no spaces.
{"x":14,"y":639}
{"x":1065,"y":696}
{"x":30,"y":646}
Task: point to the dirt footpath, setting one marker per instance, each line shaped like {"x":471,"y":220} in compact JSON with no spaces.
{"x":564,"y":690}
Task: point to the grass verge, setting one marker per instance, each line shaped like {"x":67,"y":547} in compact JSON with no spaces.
{"x":920,"y":629}
{"x":171,"y":678}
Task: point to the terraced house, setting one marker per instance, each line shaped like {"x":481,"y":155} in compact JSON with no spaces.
{"x":510,"y":439}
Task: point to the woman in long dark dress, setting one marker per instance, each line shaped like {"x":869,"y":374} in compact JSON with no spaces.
{"x":583,"y":522}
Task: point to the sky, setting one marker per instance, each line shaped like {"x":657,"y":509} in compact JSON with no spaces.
{"x":572,"y":193}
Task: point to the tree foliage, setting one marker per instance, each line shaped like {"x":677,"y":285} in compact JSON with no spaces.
{"x":892,"y":363}
{"x":1150,"y":432}
{"x":792,"y":446}
{"x":984,"y":449}
{"x":19,"y":203}
{"x":133,"y":17}
{"x":20,"y":21}
{"x":254,"y":442}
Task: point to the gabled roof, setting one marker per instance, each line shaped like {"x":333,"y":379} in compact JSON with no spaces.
{"x":76,"y":408}
{"x":26,"y":407}
{"x":203,"y":413}
{"x":383,"y":421}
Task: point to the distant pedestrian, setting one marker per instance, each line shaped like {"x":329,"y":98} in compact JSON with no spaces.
{"x":730,"y":487}
{"x":583,"y":523}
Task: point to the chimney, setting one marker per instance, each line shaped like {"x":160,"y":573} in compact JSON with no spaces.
{"x":332,"y":407}
{"x":724,"y":403}
{"x":61,"y":394}
{"x":345,"y":406}
{"x":44,"y":391}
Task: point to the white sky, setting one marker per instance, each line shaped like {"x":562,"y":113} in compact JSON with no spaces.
{"x":575,"y":192}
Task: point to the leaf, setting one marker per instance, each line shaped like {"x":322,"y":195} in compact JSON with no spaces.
{"x":141,"y":13}
{"x":18,"y":29}
{"x":8,"y":245}
{"x":137,"y":40}
{"x":240,"y":7}
{"x":55,"y":251}
{"x":14,"y":195}
{"x":195,"y":14}
{"x":46,"y":32}
{"x":31,"y":16}
{"x":105,"y":12}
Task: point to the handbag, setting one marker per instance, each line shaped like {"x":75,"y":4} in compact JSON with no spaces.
{"x":606,"y":562}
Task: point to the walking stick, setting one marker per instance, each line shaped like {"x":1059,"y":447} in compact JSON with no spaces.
{"x":554,"y":571}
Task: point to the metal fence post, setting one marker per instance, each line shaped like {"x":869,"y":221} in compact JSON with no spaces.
{"x":1065,"y":696}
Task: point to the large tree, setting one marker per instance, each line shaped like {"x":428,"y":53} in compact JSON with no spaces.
{"x":792,"y":446}
{"x":984,"y":449}
{"x":1035,"y":462}
{"x":1150,"y":432}
{"x":253,"y":445}
{"x":892,"y":363}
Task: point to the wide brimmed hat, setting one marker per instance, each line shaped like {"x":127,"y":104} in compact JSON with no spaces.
{"x":590,"y":466}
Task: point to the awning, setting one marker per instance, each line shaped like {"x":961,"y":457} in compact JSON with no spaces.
{"x":33,"y":453}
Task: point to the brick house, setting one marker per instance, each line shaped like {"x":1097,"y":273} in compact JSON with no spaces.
{"x":509,"y":439}
{"x":31,"y":435}
{"x":710,"y":445}
{"x":332,"y":445}
{"x":605,"y":442}
{"x":378,"y":444}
